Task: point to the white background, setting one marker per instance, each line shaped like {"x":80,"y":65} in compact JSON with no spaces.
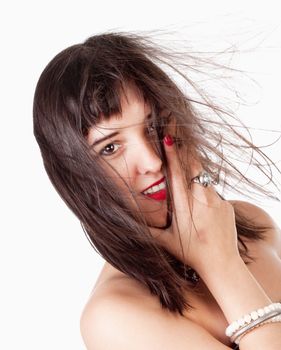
{"x":47,"y":266}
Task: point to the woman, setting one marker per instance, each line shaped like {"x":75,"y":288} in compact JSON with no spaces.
{"x":133,"y":158}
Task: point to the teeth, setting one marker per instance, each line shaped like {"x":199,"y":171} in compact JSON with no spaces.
{"x":155,"y":188}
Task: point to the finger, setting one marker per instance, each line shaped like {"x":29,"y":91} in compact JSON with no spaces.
{"x":179,"y":186}
{"x":176,"y":179}
{"x":205,"y":195}
{"x":173,"y":161}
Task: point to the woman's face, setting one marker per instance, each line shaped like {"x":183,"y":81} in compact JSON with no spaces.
{"x":125,"y":142}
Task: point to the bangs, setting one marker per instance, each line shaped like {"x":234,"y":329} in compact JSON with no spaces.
{"x":103,"y":99}
{"x":98,"y":72}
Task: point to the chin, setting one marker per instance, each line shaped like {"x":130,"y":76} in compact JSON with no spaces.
{"x":155,"y":213}
{"x":162,"y":222}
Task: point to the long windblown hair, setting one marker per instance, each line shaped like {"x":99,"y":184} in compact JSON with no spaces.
{"x":84,"y":84}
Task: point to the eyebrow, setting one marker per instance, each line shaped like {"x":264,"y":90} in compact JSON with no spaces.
{"x":148,"y":116}
{"x":105,"y":138}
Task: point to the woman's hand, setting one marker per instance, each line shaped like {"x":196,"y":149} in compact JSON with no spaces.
{"x":201,"y":220}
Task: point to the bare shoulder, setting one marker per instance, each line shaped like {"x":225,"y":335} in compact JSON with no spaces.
{"x":261,"y":217}
{"x":123,"y":317}
{"x":266,"y":267}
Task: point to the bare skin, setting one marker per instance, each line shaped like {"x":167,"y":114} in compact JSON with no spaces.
{"x":114,"y":285}
{"x":122,"y":314}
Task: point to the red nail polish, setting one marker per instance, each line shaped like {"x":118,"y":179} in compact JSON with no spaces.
{"x":168,"y":140}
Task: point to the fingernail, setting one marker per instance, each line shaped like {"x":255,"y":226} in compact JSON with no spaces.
{"x":168,"y":140}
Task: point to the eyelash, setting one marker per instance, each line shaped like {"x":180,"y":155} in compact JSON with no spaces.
{"x":151,"y":125}
{"x":102,"y":152}
{"x":152,"y":130}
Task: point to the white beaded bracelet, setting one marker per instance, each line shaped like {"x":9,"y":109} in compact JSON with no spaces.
{"x":237,"y":336}
{"x":251,"y":317}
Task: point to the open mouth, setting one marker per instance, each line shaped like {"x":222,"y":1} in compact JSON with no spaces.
{"x":157,"y":191}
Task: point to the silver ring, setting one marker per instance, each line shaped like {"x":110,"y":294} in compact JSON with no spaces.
{"x":204,"y":179}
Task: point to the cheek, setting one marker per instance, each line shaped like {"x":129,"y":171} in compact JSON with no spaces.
{"x":154,"y":213}
{"x":119,"y":175}
{"x":123,"y":175}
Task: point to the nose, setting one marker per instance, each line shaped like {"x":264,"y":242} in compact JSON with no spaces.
{"x":146,"y":159}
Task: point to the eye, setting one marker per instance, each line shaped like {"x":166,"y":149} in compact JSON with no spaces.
{"x":110,"y":149}
{"x":151,"y":128}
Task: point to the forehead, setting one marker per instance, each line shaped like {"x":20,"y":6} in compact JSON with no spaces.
{"x":134,"y":111}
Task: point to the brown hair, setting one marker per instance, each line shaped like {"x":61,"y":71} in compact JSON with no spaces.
{"x":86,"y":81}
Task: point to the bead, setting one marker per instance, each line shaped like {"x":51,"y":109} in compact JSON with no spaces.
{"x":267,"y":309}
{"x":254,"y":315}
{"x":260,"y":312}
{"x":268,"y":314}
{"x":228,"y":331}
{"x":241,"y":322}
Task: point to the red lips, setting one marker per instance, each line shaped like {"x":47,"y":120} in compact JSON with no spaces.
{"x":155,"y":183}
{"x":159,"y":195}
